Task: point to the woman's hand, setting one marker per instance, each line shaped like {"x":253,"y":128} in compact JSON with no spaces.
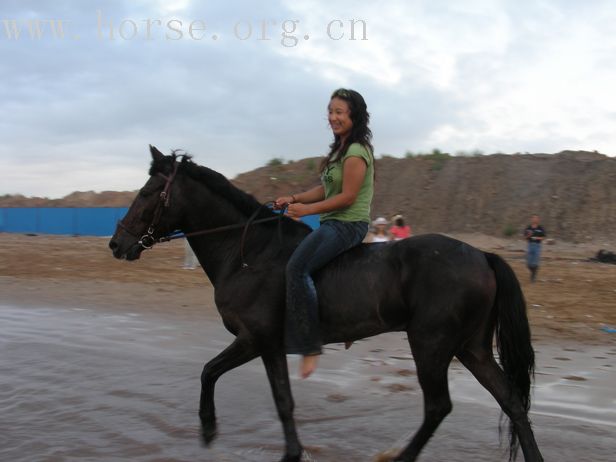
{"x":282,"y":201}
{"x":298,"y":210}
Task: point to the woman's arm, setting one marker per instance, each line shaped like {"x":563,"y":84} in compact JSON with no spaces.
{"x":353,"y":175}
{"x":315,"y":194}
{"x":312,"y":195}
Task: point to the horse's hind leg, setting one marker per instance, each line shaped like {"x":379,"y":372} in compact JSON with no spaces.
{"x":236,"y":354}
{"x":278,"y":375}
{"x":432,"y":364}
{"x":480,"y":361}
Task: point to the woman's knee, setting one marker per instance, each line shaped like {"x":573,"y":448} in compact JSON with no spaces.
{"x":295,"y":268}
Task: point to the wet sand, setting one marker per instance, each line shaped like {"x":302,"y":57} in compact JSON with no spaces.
{"x":100,"y":360}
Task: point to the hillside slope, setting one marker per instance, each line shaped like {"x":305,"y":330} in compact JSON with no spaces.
{"x":573,"y":191}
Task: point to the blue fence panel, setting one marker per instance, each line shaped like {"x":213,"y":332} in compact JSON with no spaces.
{"x":91,"y":221}
{"x":21,"y":220}
{"x":56,"y":220}
{"x":98,"y":221}
{"x":87,"y":221}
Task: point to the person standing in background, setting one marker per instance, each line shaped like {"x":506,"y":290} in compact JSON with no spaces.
{"x":399,"y":230}
{"x":380,"y":231}
{"x":190,"y":259}
{"x":534,"y":234}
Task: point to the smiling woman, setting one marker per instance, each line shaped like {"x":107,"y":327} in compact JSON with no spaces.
{"x":343,"y":202}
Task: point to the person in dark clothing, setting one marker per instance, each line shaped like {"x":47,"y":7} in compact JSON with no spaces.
{"x":534,"y":234}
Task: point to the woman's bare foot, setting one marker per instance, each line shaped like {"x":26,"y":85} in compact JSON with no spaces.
{"x":308,"y":365}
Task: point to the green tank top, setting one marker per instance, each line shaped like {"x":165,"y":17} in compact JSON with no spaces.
{"x":332,"y":184}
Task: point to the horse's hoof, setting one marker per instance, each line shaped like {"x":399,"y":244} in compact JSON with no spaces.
{"x":290,"y":458}
{"x":208,"y":433}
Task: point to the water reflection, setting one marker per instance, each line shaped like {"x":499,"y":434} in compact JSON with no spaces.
{"x":82,"y":384}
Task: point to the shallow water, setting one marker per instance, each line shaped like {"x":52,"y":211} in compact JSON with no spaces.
{"x":89,"y":385}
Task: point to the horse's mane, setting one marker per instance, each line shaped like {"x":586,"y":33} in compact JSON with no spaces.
{"x":215,"y":182}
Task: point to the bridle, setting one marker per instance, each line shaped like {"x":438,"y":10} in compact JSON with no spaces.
{"x":147,"y":240}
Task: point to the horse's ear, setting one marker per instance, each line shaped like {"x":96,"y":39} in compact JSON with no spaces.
{"x":157,"y":156}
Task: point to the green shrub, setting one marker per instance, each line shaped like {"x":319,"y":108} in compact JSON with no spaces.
{"x":437,"y":157}
{"x":473,"y":153}
{"x":311,"y":165}
{"x":275,"y":162}
{"x":509,"y":230}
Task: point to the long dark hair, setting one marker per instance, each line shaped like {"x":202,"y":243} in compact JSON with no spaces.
{"x":360,"y":133}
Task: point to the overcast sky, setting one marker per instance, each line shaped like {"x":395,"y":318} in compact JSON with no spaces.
{"x":78,"y":113}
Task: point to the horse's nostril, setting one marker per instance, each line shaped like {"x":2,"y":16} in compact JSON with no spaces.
{"x":113,"y":245}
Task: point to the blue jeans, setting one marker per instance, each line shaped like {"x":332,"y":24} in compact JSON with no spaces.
{"x":321,"y":246}
{"x":533,"y":254}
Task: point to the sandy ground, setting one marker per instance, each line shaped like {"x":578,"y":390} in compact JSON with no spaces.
{"x":573,"y":299}
{"x":100,"y":360}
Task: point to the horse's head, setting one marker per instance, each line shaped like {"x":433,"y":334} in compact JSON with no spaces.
{"x":155,"y":212}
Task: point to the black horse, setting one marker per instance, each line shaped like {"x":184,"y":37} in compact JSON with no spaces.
{"x":450,"y":298}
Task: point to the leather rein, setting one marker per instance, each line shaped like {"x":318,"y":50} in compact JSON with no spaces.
{"x":147,"y":240}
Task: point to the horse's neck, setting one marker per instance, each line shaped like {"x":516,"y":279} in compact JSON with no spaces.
{"x":218,"y":252}
{"x":215,"y":254}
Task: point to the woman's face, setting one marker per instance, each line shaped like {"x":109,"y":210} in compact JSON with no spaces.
{"x":339,"y":117}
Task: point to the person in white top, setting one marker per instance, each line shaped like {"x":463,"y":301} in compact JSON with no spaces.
{"x":380,"y":230}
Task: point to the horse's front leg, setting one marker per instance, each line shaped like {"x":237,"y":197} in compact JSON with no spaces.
{"x":278,"y":375}
{"x":236,"y":354}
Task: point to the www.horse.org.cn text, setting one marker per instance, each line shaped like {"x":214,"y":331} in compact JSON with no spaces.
{"x":288,"y":33}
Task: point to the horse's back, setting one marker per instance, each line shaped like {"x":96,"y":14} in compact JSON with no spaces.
{"x":382,"y":287}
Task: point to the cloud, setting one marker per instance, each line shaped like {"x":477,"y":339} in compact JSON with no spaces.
{"x":545,"y":92}
{"x":496,"y":76}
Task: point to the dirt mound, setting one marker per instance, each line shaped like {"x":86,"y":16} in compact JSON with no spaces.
{"x":75,"y":199}
{"x":102,"y":199}
{"x":574,"y":192}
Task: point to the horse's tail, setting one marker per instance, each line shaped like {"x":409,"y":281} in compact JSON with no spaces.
{"x":513,"y":343}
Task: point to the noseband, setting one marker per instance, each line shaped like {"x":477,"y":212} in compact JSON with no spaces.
{"x":148,"y":240}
